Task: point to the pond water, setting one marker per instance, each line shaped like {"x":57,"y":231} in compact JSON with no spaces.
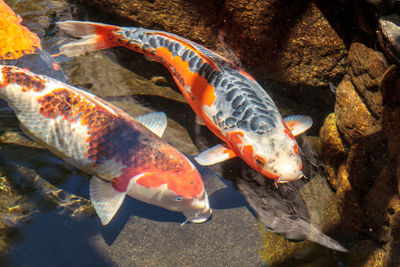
{"x":53,"y":224}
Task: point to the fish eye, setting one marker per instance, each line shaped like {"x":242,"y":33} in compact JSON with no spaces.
{"x":178,"y":198}
{"x":260,"y":161}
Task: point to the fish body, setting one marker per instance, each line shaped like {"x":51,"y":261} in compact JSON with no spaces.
{"x":227,"y":99}
{"x":121,"y":153}
{"x":20,"y":47}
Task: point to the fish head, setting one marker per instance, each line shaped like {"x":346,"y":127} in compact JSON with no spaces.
{"x":194,"y":205}
{"x":199,"y":210}
{"x":192,"y":198}
{"x":274,"y":155}
{"x":179,"y":187}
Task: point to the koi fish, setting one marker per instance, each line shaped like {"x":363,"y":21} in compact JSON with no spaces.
{"x":227,"y":99}
{"x":125,"y":155}
{"x":20,"y":47}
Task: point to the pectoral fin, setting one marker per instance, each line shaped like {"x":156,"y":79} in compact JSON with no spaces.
{"x":215,"y":155}
{"x":155,"y":122}
{"x":106,"y":200}
{"x":298,"y":124}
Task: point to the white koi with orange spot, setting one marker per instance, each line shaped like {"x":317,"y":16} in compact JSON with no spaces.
{"x":125,"y":155}
{"x":227,"y":99}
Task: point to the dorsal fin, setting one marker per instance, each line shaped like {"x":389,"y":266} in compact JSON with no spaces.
{"x":154,"y":121}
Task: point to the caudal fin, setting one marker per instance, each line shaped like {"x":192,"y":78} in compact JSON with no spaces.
{"x":94,"y":36}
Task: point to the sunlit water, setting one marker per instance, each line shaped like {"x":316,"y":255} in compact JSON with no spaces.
{"x":63,"y":228}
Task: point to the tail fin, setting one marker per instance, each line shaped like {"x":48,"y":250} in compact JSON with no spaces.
{"x":94,"y":36}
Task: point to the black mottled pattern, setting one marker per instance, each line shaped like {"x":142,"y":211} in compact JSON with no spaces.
{"x":251,"y":109}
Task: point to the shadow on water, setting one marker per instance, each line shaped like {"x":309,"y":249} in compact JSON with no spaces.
{"x":54,"y":240}
{"x":54,"y":237}
{"x":281,"y":209}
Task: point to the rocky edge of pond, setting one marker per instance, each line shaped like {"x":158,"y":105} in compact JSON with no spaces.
{"x":305,"y":46}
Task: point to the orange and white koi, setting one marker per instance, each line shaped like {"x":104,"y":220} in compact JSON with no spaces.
{"x":227,"y":99}
{"x":125,"y":155}
{"x":20,"y":47}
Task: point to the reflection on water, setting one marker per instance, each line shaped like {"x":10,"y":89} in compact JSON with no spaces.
{"x":62,"y":222}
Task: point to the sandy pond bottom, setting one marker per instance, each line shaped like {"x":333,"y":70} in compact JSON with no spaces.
{"x":144,"y":235}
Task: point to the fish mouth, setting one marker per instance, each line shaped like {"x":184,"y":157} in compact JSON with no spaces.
{"x":198,"y":217}
{"x":200,"y":210}
{"x":202,"y":218}
{"x":301,"y":175}
{"x":282,"y":181}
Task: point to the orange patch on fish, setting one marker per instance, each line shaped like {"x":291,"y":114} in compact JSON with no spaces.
{"x":150,"y":180}
{"x":248,"y":151}
{"x":102,"y":126}
{"x":188,"y":185}
{"x":288,"y":133}
{"x":230,"y":153}
{"x":27,"y":82}
{"x":15,"y":39}
{"x":287,"y":130}
{"x":202,"y":90}
{"x":235,"y":137}
{"x":105,"y":36}
{"x":270,"y":175}
{"x":296,"y":149}
{"x":202,"y":93}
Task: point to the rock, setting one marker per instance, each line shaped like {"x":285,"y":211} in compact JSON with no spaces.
{"x":333,"y":150}
{"x":359,"y":109}
{"x":367,"y":254}
{"x":367,"y":116}
{"x":390,"y":87}
{"x":343,"y":185}
{"x":348,"y":204}
{"x":18,"y":139}
{"x":290,"y":42}
{"x":358,"y":105}
{"x":398,"y":175}
{"x":195,"y":19}
{"x":389,"y":36}
{"x":366,"y":67}
{"x":381,"y":213}
{"x":353,"y":118}
{"x":159,"y":80}
{"x":300,"y":49}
